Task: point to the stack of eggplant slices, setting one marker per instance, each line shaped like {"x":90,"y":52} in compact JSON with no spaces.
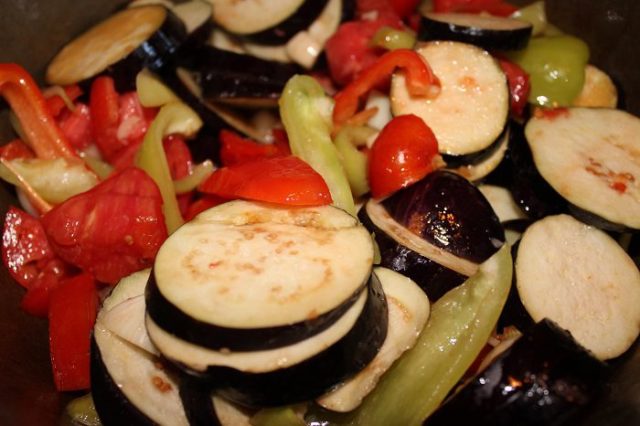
{"x":252,"y":305}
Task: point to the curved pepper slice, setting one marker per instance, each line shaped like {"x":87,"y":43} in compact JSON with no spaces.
{"x":420,"y":80}
{"x":30,"y":106}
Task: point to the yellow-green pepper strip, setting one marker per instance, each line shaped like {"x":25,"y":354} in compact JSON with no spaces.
{"x":81,"y":411}
{"x":278,"y":416}
{"x":307,"y":119}
{"x":199,"y":173}
{"x":354,"y":161}
{"x":174,"y":117}
{"x":556,"y":68}
{"x":391,"y":39}
{"x":460,"y":324}
{"x":151,"y":91}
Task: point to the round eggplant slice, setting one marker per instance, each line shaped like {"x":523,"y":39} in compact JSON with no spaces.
{"x":472,"y":108}
{"x":435,"y":270}
{"x":544,"y":378}
{"x":248,"y":276}
{"x":408,"y":313}
{"x":579,"y":277}
{"x":484,"y":165}
{"x":449,"y":212}
{"x":590,"y":157}
{"x":488,"y":32}
{"x":298,"y":21}
{"x":123,"y":44}
{"x":203,"y":408}
{"x":130,"y":386}
{"x":253,"y":16}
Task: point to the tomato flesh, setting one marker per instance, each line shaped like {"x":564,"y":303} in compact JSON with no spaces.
{"x":402,"y":154}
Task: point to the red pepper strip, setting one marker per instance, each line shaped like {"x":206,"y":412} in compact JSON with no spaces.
{"x":202,"y":204}
{"x":27,"y":102}
{"x":519,"y":85}
{"x":280,"y":180}
{"x":15,"y":149}
{"x":105,"y":116}
{"x":493,"y":7}
{"x":235,"y":149}
{"x":405,"y":151}
{"x":72,"y":314}
{"x":420,"y":81}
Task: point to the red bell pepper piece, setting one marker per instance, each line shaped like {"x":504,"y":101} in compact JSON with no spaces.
{"x":113,"y":229}
{"x":280,"y":180}
{"x":519,"y":85}
{"x":420,"y":81}
{"x":72,"y":314}
{"x":234,"y":149}
{"x":201,"y":204}
{"x":493,"y":7}
{"x":56,"y":104}
{"x":105,"y":115}
{"x":405,"y":151}
{"x":76,"y":126}
{"x":28,"y":103}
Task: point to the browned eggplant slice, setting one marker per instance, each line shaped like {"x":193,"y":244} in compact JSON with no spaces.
{"x":544,"y":378}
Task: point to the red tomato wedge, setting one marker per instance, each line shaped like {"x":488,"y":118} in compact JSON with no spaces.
{"x":234,"y":149}
{"x":25,"y":248}
{"x":103,"y":102}
{"x":112,"y":230}
{"x":281,"y":180}
{"x":74,"y":305}
{"x":403,"y":153}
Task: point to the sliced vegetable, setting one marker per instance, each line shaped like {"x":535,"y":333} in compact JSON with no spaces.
{"x":124,"y":43}
{"x":174,"y":117}
{"x":598,"y":91}
{"x":279,"y":416}
{"x":72,"y":312}
{"x":493,"y":7}
{"x":28,"y":104}
{"x":111,"y":230}
{"x":354,"y":161}
{"x":404,"y":152}
{"x":304,"y":109}
{"x":519,"y":85}
{"x":488,"y":32}
{"x":81,"y":411}
{"x":459,"y":326}
{"x":535,"y":14}
{"x":235,"y":149}
{"x":60,"y":98}
{"x":556,"y":68}
{"x":151,"y":91}
{"x":421,"y":82}
{"x":390,"y":38}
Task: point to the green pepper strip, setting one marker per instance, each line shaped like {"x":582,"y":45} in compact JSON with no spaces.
{"x":309,"y":135}
{"x":391,"y":39}
{"x":28,"y":104}
{"x":420,"y":81}
{"x":174,"y":117}
{"x":460,"y":324}
{"x":354,"y":161}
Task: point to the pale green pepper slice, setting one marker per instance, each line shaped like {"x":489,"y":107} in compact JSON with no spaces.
{"x":555,"y":65}
{"x":355,"y":162}
{"x":305,"y":110}
{"x":174,"y":117}
{"x":460,"y":324}
{"x":390,"y":38}
{"x":277,"y":416}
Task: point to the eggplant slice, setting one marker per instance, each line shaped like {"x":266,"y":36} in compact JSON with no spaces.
{"x":544,"y":378}
{"x":222,"y":280}
{"x":472,"y":109}
{"x":408,"y":313}
{"x":122,"y":45}
{"x":579,"y":277}
{"x":590,"y":156}
{"x":488,"y":32}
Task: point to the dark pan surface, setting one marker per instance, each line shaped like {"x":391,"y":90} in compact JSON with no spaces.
{"x":33,"y":30}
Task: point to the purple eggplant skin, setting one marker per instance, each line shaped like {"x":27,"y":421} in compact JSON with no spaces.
{"x":545,"y":378}
{"x":179,"y":323}
{"x":529,"y":189}
{"x":449,"y":212}
{"x":434,"y":279}
{"x":225,"y":74}
{"x":314,"y":376}
{"x":285,"y":30}
{"x":455,"y":161}
{"x":112,"y":406}
{"x":198,"y":403}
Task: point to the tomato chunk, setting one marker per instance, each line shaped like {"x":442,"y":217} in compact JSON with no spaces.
{"x":74,"y":305}
{"x":403,"y":153}
{"x":234,"y":149}
{"x":112,"y":230}
{"x":281,"y":180}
